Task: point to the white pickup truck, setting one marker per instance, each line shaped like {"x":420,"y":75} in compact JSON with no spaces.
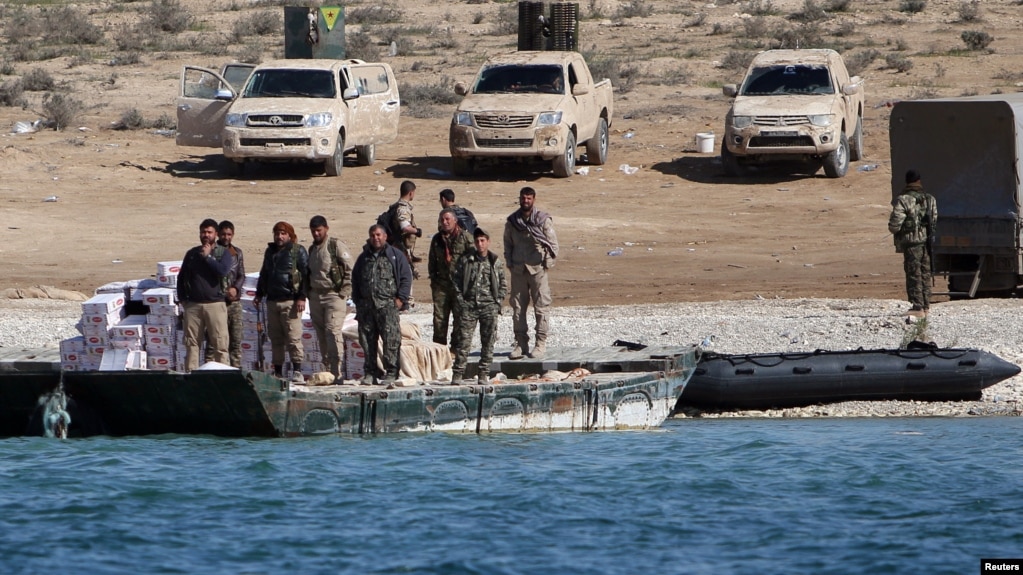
{"x":532,"y":105}
{"x":795,"y":106}
{"x":290,"y":111}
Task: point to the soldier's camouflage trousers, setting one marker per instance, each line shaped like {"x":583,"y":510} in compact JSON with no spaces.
{"x":377,"y":324}
{"x":917,"y":264}
{"x":487,"y":320}
{"x":443,"y":308}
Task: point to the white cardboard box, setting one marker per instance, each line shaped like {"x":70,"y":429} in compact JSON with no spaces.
{"x":130,"y":327}
{"x":160,"y":295}
{"x":122,"y":360}
{"x":102,"y":304}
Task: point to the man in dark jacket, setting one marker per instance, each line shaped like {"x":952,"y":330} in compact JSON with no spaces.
{"x":480,"y":286}
{"x":381,"y":286}
{"x":201,"y":284}
{"x":283,"y":281}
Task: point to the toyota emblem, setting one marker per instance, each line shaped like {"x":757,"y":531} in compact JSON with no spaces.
{"x":276,"y":120}
{"x":503,"y":118}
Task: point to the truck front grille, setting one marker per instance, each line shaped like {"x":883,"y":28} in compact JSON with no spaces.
{"x":781,"y":120}
{"x":505,"y":143}
{"x":502,"y":121}
{"x":276,"y":120}
{"x":282,"y":142}
{"x":780,"y":142}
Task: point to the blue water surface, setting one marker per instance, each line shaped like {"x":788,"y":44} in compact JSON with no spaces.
{"x":924,"y":495}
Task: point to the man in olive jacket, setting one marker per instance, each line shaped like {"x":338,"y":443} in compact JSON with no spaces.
{"x":381,"y":287}
{"x":913,"y":220}
{"x":480,"y":287}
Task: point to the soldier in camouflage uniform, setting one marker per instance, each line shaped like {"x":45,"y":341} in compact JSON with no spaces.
{"x":446,"y":247}
{"x":233,"y":293}
{"x":480,"y":287}
{"x":913,"y":221}
{"x":405,"y":223}
{"x":381,"y":286}
{"x":330,"y":285}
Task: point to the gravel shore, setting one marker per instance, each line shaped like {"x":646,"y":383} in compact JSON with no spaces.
{"x":752,"y":326}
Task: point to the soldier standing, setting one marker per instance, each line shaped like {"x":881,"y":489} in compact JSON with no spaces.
{"x":446,"y":247}
{"x":232,"y":295}
{"x":405,"y":225}
{"x":466,"y":219}
{"x":913,"y":221}
{"x":480,"y":287}
{"x":284,"y":281}
{"x":381,"y":286}
{"x":201,"y":292}
{"x":530,"y":248}
{"x":330,"y":285}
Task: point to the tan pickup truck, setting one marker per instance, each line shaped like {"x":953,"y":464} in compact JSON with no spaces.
{"x":290,"y":111}
{"x":795,"y":106}
{"x":532,"y":105}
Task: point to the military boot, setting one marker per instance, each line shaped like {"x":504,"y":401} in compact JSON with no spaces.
{"x":278,"y":372}
{"x":484,"y":374}
{"x":296,"y":373}
{"x":456,"y":378}
{"x":519,"y":351}
{"x":539,"y":350}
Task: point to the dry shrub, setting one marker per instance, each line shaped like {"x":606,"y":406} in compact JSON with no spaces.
{"x":169,"y":16}
{"x":898,"y":62}
{"x":12,"y":93}
{"x":812,"y":12}
{"x":634,"y":9}
{"x":858,"y":62}
{"x":969,"y":11}
{"x":61,"y":111}
{"x":261,"y":23}
{"x":912,"y":6}
{"x":976,"y":39}
{"x":38,"y":80}
{"x":69,"y":25}
{"x":360,"y":45}
{"x":375,"y":14}
{"x":422,"y":100}
{"x":738,"y":60}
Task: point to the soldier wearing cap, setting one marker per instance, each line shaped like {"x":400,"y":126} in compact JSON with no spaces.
{"x":480,"y":287}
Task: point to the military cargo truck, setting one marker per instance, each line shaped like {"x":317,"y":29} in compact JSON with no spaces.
{"x":968,"y":153}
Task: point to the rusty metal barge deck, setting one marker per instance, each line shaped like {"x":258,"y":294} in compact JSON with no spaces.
{"x":626,"y":389}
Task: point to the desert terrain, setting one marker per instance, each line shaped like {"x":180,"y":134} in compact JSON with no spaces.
{"x":121,"y":200}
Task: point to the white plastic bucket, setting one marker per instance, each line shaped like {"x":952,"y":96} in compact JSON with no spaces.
{"x":705,"y":142}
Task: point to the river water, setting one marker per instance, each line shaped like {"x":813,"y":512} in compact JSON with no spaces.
{"x":923,"y":495}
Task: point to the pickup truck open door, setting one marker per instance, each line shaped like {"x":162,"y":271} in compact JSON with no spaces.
{"x":203,"y":100}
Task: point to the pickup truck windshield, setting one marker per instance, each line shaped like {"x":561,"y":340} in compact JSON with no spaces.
{"x":547,"y":79}
{"x":290,"y":84}
{"x":788,"y":79}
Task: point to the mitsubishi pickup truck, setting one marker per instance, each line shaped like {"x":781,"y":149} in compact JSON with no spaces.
{"x":532,"y":105}
{"x":794,"y":106}
{"x":290,"y":111}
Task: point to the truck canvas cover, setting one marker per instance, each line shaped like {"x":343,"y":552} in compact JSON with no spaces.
{"x":968,"y":153}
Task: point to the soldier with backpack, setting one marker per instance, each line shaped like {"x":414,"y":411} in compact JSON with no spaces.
{"x":201,"y":284}
{"x":330,"y":286}
{"x":466,"y":219}
{"x":913,"y":222}
{"x":283,"y":282}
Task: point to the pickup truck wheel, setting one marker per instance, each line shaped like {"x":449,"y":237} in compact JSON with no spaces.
{"x":596,"y":147}
{"x":856,"y":145}
{"x":461,"y":166}
{"x":366,"y":155}
{"x":564,"y":164}
{"x":733,"y":168}
{"x":332,"y":167}
{"x":836,"y":164}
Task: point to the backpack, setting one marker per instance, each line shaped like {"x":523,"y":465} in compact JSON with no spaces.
{"x":465,"y":219}
{"x":336,"y":277}
{"x":387,"y":221}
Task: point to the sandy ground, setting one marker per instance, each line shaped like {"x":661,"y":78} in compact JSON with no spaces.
{"x":125,"y":200}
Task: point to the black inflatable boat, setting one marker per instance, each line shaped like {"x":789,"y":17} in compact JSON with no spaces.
{"x":776,"y":380}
